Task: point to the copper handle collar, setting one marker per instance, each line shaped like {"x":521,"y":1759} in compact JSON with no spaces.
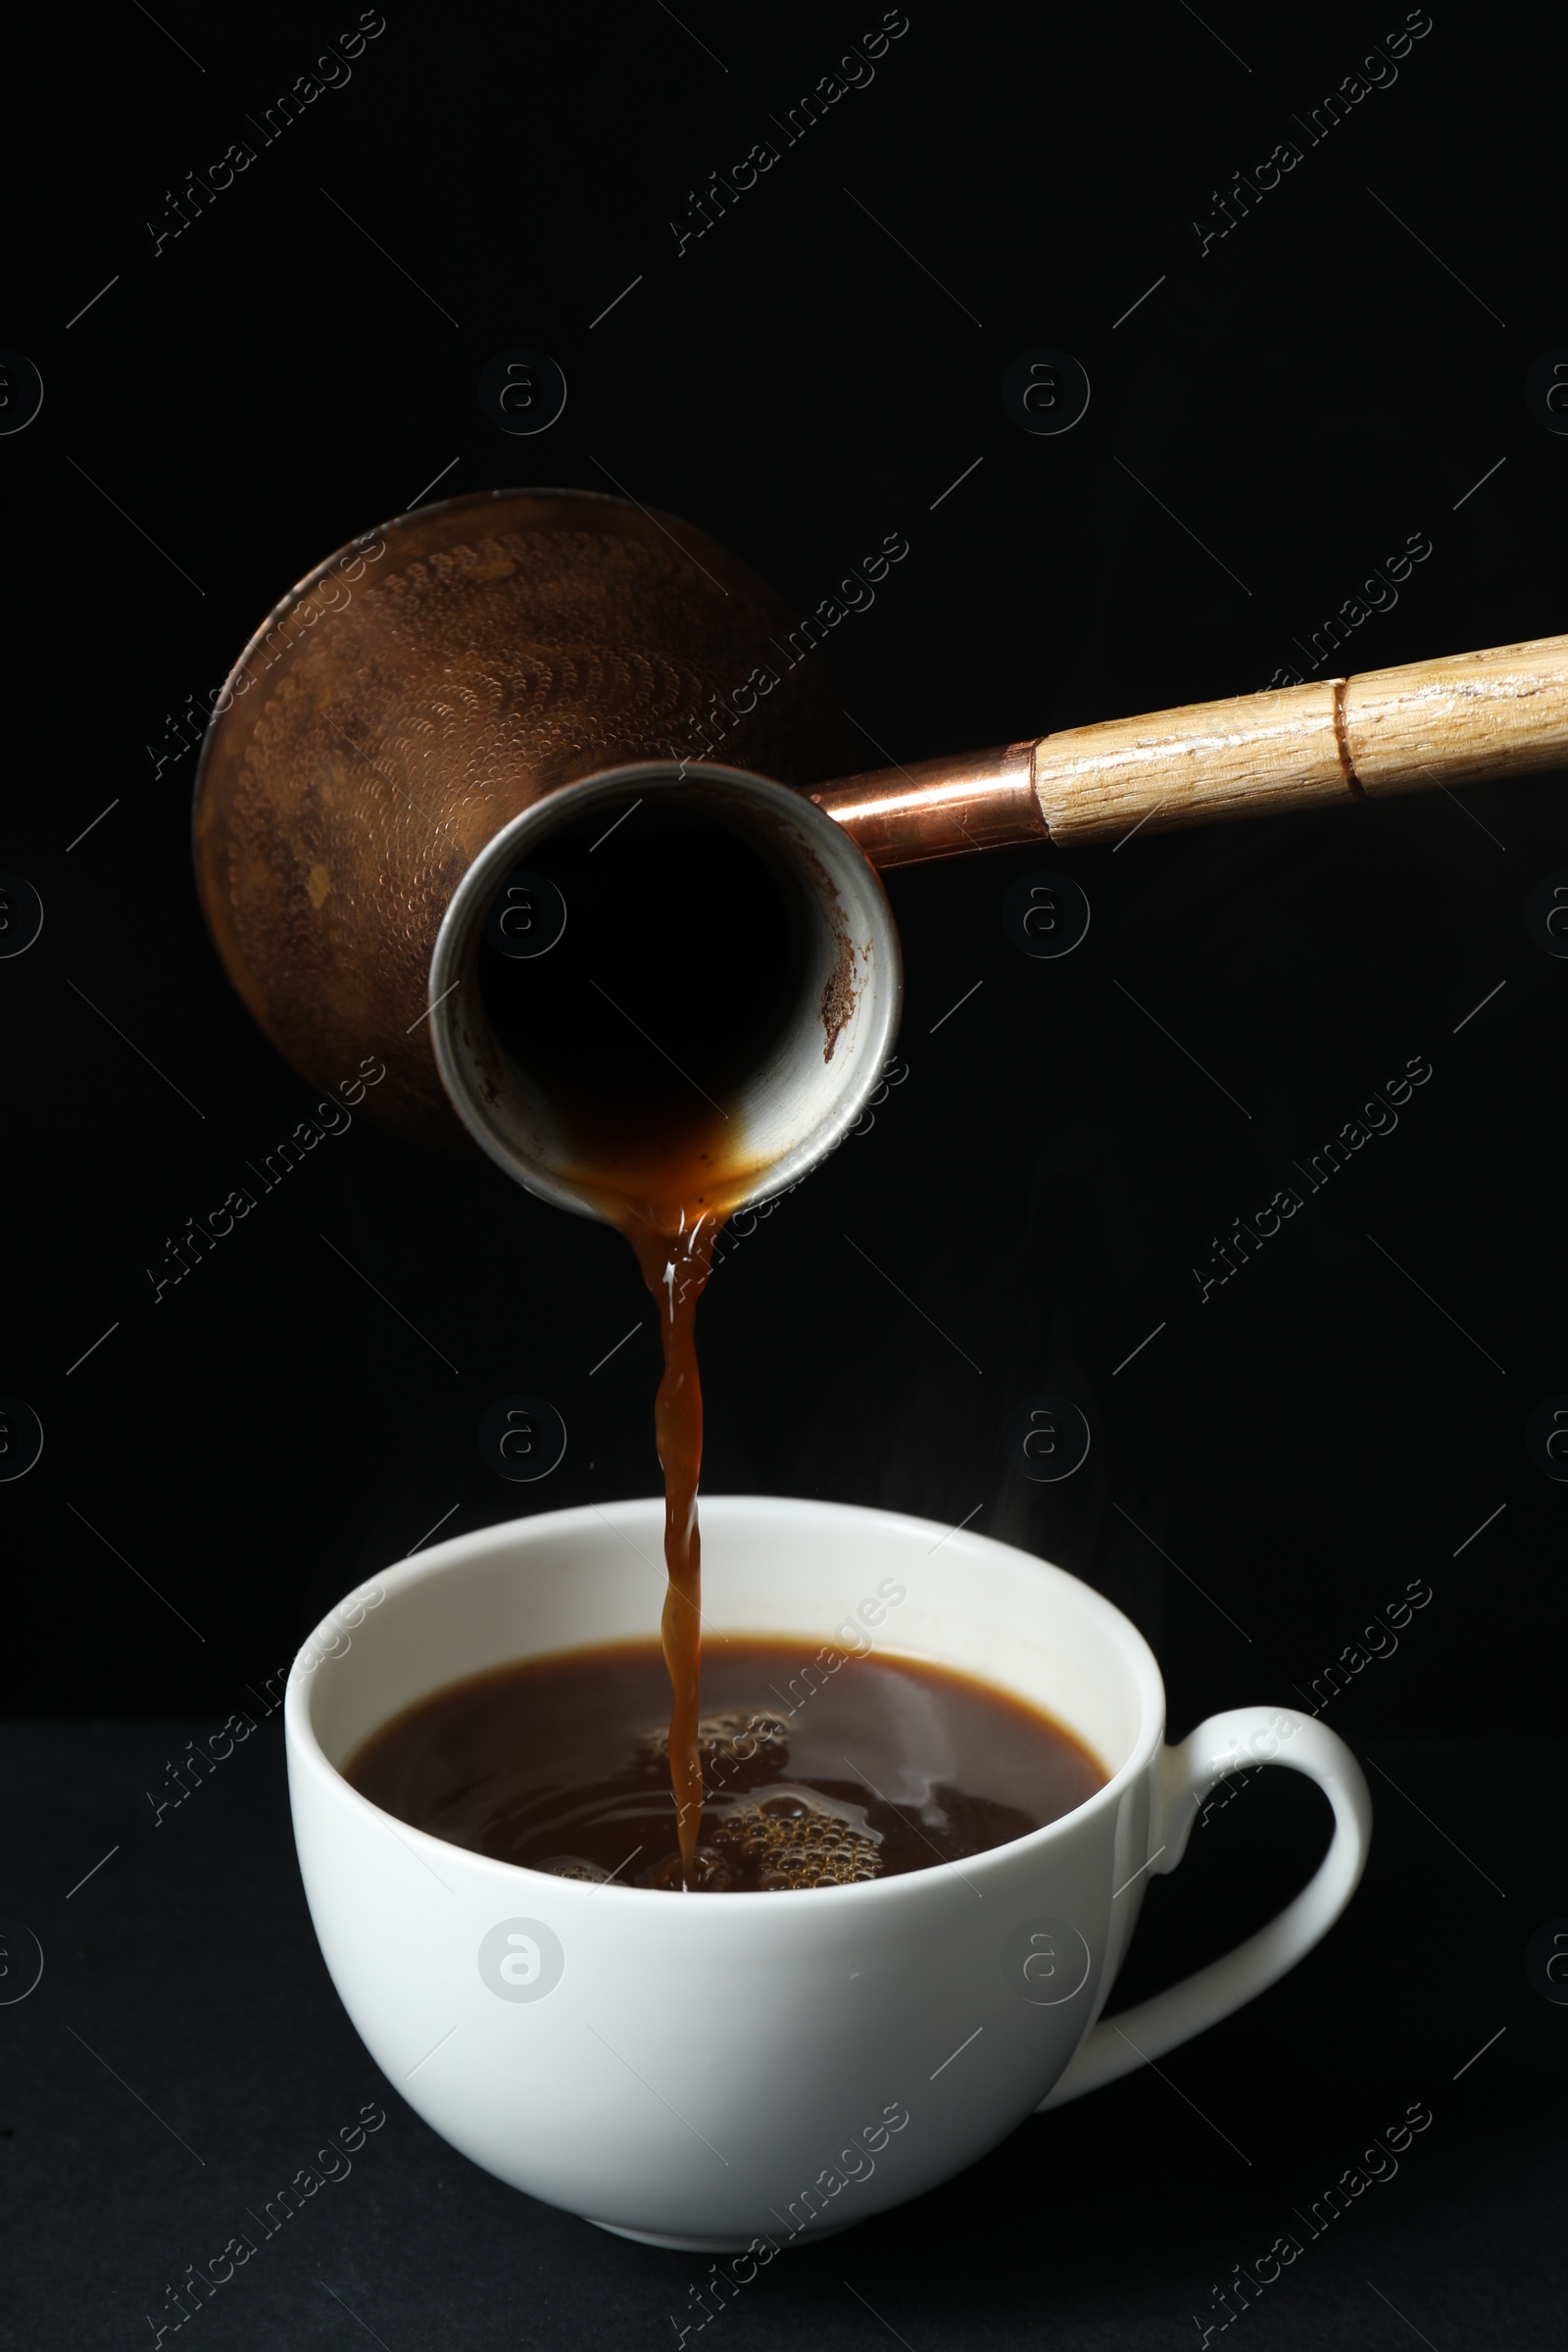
{"x":941,"y":808}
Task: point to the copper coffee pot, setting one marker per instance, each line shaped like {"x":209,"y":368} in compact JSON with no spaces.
{"x":440,"y":694}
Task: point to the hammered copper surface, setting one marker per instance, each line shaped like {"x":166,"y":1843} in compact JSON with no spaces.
{"x":501,"y":646}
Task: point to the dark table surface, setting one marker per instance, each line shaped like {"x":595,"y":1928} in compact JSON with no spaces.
{"x":183,"y":2054}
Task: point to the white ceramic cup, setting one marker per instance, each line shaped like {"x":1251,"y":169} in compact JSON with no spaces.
{"x":729,"y":2072}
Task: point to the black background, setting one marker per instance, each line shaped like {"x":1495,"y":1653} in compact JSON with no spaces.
{"x":1303,"y":396}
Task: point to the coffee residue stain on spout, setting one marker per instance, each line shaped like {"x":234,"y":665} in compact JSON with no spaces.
{"x":838,"y":998}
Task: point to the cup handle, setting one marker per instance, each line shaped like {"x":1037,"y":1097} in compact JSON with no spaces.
{"x":1235,"y":1742}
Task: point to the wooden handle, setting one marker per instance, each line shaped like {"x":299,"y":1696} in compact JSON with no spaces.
{"x":1501,"y":713}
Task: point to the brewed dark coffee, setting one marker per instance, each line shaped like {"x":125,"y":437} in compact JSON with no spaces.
{"x":820,"y":1768}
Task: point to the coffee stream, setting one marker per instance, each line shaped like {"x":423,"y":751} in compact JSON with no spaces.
{"x":675,"y":1267}
{"x":671,"y":982}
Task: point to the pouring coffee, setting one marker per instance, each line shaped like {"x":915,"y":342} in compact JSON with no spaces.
{"x":464,"y":730}
{"x":697,"y":1037}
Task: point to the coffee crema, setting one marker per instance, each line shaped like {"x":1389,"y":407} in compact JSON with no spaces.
{"x":822,"y":1768}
